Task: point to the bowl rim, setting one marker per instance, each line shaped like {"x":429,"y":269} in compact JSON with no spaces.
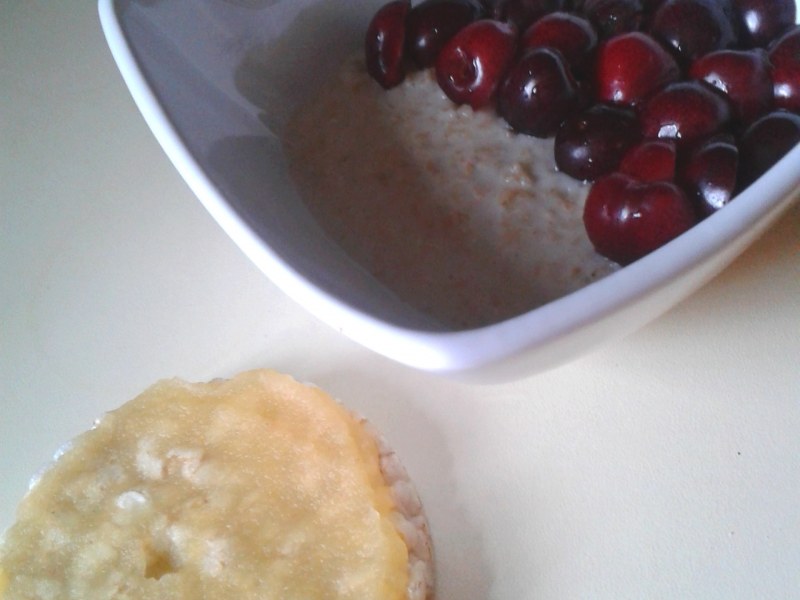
{"x":460,"y":350}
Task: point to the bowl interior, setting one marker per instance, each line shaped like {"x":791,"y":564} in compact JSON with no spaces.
{"x":218,"y":81}
{"x":228,"y":75}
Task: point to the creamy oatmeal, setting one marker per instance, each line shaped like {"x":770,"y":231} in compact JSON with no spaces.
{"x":459,"y":216}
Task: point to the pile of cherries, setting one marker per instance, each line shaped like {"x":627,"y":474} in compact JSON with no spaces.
{"x":670,"y":107}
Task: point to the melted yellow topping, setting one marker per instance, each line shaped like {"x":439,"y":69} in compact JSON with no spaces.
{"x":255,"y":487}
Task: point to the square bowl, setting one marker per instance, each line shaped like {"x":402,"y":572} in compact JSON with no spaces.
{"x":217,"y":80}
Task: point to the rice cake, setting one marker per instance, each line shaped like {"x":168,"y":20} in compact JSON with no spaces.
{"x":254,"y":487}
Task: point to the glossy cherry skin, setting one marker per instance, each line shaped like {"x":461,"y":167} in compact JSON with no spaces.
{"x":613,"y":17}
{"x":592,"y":143}
{"x":630,"y":67}
{"x":685,"y":111}
{"x":471,"y":66}
{"x":568,"y":33}
{"x":522,"y":13}
{"x":693,"y":28}
{"x":385,"y":42}
{"x":762,"y":21}
{"x":785,"y":59}
{"x":627,"y":219}
{"x":432,"y":23}
{"x":709,"y":175}
{"x":765,"y":142}
{"x":744,"y":76}
{"x":651,"y":160}
{"x":538,"y":93}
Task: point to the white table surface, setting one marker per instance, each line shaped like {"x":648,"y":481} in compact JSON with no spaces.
{"x":663,"y":466}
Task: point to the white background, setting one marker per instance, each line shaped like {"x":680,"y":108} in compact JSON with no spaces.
{"x":663,"y":466}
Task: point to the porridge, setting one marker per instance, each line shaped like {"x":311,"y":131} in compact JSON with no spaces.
{"x":458,"y":215}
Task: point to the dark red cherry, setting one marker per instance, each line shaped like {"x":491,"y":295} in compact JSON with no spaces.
{"x":762,"y":21}
{"x":685,"y":111}
{"x":630,"y":67}
{"x":651,"y":6}
{"x":570,"y":34}
{"x":591,"y":144}
{"x":627,"y":219}
{"x":538,"y":93}
{"x":472,"y":64}
{"x":522,"y":13}
{"x":765,"y":142}
{"x":651,"y":160}
{"x":613,"y":17}
{"x":432,"y":23}
{"x":385,"y":42}
{"x":785,"y":59}
{"x":709,"y":175}
{"x":693,"y":28}
{"x":743,"y":76}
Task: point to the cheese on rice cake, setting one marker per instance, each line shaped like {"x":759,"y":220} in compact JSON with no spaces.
{"x":256,"y":487}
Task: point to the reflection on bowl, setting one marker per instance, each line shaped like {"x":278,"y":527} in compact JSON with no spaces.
{"x":218,"y":83}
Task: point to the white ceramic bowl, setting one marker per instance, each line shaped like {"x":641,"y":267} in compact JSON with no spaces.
{"x":217,"y":79}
